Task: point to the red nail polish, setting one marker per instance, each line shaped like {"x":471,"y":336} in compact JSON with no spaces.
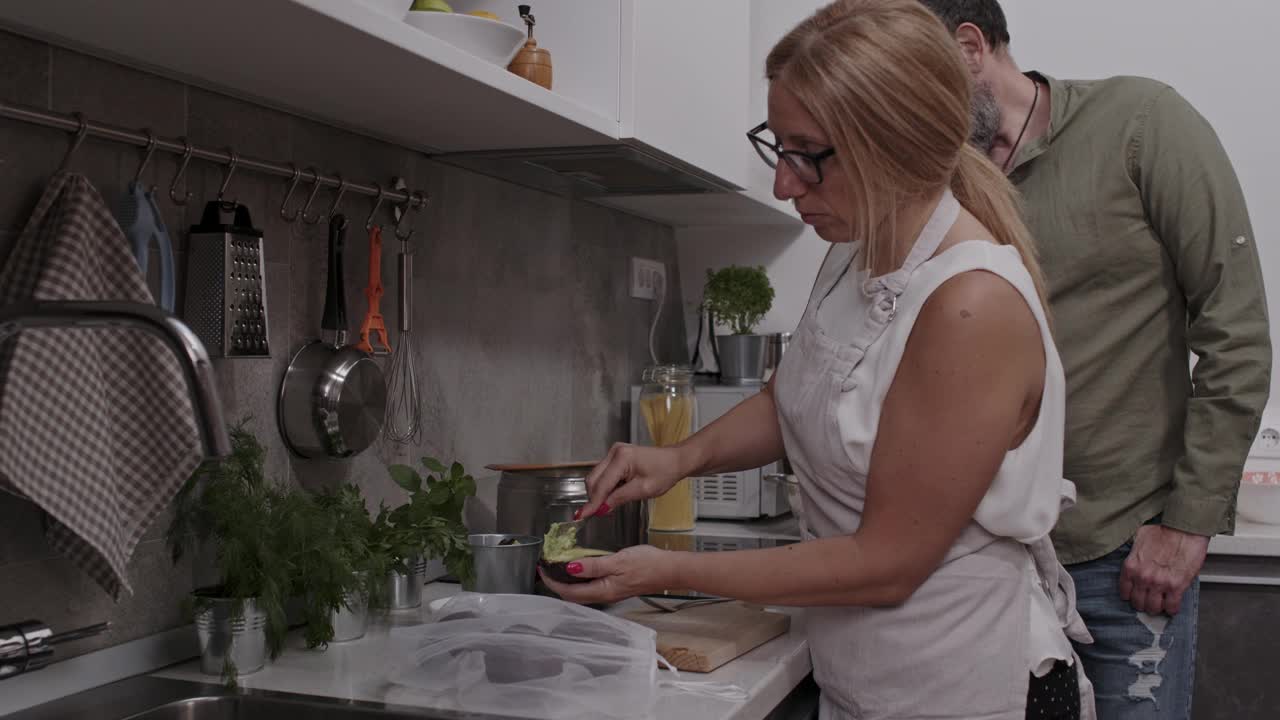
{"x":604,"y":509}
{"x":577,"y":514}
{"x":573,"y":568}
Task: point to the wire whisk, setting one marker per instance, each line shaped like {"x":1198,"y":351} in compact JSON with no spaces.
{"x":403,"y":422}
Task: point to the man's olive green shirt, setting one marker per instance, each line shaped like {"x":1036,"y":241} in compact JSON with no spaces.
{"x":1145,"y":240}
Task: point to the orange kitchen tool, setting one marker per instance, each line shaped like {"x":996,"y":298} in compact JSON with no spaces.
{"x":373,"y":322}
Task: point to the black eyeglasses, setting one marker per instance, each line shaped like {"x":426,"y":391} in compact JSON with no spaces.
{"x":807,"y":166}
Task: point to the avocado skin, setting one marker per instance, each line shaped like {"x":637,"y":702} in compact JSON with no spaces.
{"x":559,"y":571}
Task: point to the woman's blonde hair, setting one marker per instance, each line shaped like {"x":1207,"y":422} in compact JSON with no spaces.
{"x":887,"y":84}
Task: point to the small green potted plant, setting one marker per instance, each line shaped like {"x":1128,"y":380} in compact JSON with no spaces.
{"x":738,"y":297}
{"x":429,"y":526}
{"x":330,"y":548}
{"x":229,"y":502}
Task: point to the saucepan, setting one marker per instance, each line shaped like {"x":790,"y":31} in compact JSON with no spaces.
{"x":333,"y":395}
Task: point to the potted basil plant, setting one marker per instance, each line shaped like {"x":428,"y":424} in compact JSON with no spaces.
{"x":241,"y":619}
{"x":428,"y":526}
{"x":738,"y":297}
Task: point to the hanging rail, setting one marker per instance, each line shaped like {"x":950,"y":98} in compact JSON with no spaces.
{"x":83,"y":128}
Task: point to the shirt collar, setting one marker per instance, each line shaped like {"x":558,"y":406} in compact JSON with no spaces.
{"x":1057,"y":116}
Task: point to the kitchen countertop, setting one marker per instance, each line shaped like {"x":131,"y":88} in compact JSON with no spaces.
{"x":354,"y":670}
{"x":783,"y":527}
{"x":1251,"y":539}
{"x":1250,"y":557}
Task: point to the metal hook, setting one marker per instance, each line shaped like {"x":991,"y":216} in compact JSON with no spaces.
{"x":337,"y":199}
{"x":81,"y":133}
{"x":410,"y":206}
{"x":146,"y":158}
{"x":226,"y":179}
{"x":315,"y":177}
{"x":293,"y":185}
{"x":368,"y":224}
{"x":182,"y":169}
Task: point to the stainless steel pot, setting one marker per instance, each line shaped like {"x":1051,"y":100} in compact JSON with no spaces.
{"x":776,"y":348}
{"x":333,"y":396}
{"x":531,"y":497}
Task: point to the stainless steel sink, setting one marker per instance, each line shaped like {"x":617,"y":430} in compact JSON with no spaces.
{"x":148,"y":698}
{"x":259,"y":707}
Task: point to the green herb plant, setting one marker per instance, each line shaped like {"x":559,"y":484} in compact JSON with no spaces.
{"x":231,"y":502}
{"x":430,"y":524}
{"x":738,"y":297}
{"x":329,"y":540}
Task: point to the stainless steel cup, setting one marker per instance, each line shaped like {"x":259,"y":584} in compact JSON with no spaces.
{"x":499,"y":568}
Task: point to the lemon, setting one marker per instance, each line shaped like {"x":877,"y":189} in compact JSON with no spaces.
{"x":484,"y":14}
{"x":431,"y":6}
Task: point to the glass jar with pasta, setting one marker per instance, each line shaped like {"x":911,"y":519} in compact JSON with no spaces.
{"x":669,"y":411}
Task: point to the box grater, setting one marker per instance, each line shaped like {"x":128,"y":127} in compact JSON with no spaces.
{"x":226,"y":303}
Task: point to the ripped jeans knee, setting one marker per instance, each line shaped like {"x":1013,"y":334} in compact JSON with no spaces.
{"x":1148,"y":660}
{"x":1141,"y":666}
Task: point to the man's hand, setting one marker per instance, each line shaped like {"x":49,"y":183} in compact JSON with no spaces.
{"x":1160,"y":568}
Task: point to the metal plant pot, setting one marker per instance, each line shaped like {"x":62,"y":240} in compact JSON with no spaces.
{"x":405,"y":591}
{"x":352,"y":619}
{"x":742,"y":358}
{"x":232,"y":635}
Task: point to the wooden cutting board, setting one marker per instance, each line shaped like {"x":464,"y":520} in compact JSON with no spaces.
{"x":701,"y":639}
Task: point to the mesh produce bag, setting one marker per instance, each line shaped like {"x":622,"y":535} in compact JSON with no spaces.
{"x":533,"y":657}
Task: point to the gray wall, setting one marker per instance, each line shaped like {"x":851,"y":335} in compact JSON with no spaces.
{"x":525,"y":335}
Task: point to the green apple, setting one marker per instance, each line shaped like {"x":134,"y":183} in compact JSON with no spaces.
{"x":431,"y":6}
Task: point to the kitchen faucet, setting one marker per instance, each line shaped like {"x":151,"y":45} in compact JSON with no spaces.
{"x":177,"y":337}
{"x":29,"y":645}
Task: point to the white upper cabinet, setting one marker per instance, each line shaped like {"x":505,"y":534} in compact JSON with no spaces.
{"x":685,"y":87}
{"x":665,"y":88}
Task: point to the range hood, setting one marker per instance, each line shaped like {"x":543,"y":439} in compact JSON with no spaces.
{"x":626,"y":168}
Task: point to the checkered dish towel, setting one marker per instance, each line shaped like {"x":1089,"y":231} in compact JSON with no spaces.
{"x":96,"y":426}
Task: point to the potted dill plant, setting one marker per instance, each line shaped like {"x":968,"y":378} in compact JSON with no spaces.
{"x":229,"y":502}
{"x":329,"y":541}
{"x":738,"y":297}
{"x":428,"y":526}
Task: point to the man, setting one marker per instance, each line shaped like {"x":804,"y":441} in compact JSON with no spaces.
{"x":1145,"y":239}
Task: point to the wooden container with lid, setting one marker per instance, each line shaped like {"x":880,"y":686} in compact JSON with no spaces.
{"x":532,"y":62}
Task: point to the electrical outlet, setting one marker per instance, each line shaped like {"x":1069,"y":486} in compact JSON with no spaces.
{"x":1267,"y":444}
{"x":646,"y":277}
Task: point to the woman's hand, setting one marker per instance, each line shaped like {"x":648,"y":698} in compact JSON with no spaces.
{"x":638,"y":570}
{"x":629,"y":473}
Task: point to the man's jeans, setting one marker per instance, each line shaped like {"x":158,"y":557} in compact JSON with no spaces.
{"x":1141,"y":666}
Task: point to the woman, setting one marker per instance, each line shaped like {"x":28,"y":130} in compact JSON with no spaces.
{"x":921,"y":401}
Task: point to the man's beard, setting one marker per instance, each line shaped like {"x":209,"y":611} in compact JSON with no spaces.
{"x":986,"y":118}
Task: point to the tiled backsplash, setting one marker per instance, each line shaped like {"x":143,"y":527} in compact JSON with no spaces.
{"x":526,"y":337}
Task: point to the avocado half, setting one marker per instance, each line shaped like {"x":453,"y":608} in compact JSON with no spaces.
{"x":559,"y":548}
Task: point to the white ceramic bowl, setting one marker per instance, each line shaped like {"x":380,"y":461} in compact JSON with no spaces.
{"x":485,"y":38}
{"x":1260,"y":498}
{"x":395,"y":8}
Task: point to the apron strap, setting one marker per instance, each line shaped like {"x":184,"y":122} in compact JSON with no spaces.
{"x":883,"y":291}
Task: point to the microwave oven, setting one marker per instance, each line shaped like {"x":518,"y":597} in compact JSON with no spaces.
{"x":754,"y":493}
